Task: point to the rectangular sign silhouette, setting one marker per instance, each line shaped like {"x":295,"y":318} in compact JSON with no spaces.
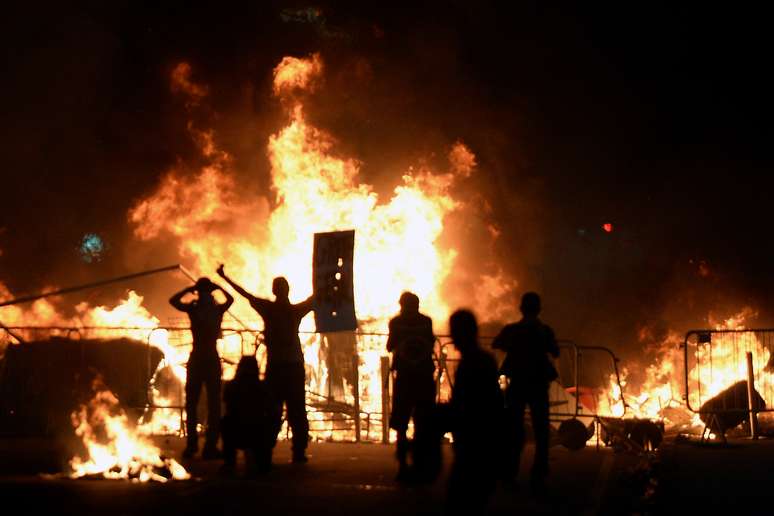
{"x":332,"y":264}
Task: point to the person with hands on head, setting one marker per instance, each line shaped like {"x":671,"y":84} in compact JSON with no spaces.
{"x":206,"y":317}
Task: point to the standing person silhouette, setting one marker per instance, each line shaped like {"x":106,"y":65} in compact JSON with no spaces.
{"x":527,"y":344}
{"x":285,"y":374}
{"x":411,"y":342}
{"x":475,"y":414}
{"x":206,"y":316}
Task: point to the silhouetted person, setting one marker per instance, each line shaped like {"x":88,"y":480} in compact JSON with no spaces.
{"x":206,"y":316}
{"x":527,"y":344}
{"x":475,"y":416}
{"x":411,"y":342}
{"x":285,"y":374}
{"x":245,"y":425}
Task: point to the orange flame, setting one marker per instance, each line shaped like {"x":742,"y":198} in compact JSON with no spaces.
{"x":114,"y":450}
{"x":294,"y":73}
{"x":660,"y":394}
{"x":397,"y":239}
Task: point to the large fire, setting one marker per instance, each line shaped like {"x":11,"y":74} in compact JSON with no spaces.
{"x":397,"y":244}
{"x":314,"y":190}
{"x":213,"y":218}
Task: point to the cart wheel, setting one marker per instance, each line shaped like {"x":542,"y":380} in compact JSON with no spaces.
{"x":573,"y":434}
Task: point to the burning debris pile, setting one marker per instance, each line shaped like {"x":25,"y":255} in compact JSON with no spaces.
{"x":113,"y":449}
{"x":717,"y":380}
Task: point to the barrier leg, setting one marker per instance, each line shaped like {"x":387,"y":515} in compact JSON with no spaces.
{"x":750,"y":397}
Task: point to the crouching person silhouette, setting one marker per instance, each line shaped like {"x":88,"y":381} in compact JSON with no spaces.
{"x":245,"y":425}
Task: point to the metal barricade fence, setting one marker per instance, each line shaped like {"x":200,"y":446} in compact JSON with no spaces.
{"x":724,"y":370}
{"x":348,"y":375}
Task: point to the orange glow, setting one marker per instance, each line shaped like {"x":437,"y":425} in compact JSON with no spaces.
{"x":397,"y":236}
{"x":293,"y":72}
{"x":181,"y":82}
{"x":213,"y":217}
{"x":660,"y":394}
{"x":114,"y":449}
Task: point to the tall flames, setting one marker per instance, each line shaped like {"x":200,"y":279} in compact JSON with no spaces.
{"x":216,"y":220}
{"x":397,"y":241}
{"x":214,"y":216}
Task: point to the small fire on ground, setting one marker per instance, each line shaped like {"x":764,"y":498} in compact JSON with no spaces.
{"x":115,"y":450}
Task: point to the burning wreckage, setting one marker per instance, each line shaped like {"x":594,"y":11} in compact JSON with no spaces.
{"x":107,"y":389}
{"x":212,"y":218}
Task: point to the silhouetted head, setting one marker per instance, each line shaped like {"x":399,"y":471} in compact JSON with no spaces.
{"x":409,"y":303}
{"x":247,"y":368}
{"x":530,"y":304}
{"x":280,"y":287}
{"x":464,"y":330}
{"x":204,"y":288}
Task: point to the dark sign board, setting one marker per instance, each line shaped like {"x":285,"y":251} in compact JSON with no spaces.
{"x":332,"y":281}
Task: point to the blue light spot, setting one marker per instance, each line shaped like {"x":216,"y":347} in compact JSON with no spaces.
{"x":91,"y":248}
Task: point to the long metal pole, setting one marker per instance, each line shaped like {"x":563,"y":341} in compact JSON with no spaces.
{"x":11,"y":333}
{"x":356,"y":378}
{"x":68,"y":290}
{"x":750,"y":398}
{"x":385,"y":370}
{"x":577,"y":381}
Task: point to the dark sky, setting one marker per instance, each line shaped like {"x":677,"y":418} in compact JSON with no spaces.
{"x":655,"y":119}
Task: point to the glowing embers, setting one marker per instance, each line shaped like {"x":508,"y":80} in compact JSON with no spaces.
{"x":113,"y":449}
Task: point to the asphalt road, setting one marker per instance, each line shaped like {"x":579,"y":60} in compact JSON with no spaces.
{"x":341,"y":479}
{"x":732,"y":478}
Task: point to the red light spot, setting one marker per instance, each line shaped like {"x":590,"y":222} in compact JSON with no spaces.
{"x":607,"y":227}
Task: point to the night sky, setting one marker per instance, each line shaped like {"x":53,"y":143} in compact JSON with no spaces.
{"x":657,"y":120}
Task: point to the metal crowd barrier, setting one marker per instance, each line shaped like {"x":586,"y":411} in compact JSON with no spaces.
{"x":723,"y":371}
{"x":574,"y":366}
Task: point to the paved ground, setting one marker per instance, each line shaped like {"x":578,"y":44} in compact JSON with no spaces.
{"x":716,"y":479}
{"x":339,"y":479}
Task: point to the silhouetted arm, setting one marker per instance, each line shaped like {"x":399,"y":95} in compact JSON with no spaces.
{"x":390,"y":339}
{"x":229,"y":299}
{"x":305,"y":306}
{"x":177,"y":299}
{"x":551,"y":344}
{"x":429,"y":335}
{"x":501,"y":341}
{"x":260,"y":305}
{"x":242,"y":292}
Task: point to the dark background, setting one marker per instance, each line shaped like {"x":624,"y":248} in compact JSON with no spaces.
{"x":654,"y":119}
